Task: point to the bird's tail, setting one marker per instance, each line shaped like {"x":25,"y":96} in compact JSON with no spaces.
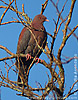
{"x":22,"y":77}
{"x":22,"y":71}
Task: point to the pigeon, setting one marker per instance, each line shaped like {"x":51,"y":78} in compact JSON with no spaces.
{"x":32,"y":41}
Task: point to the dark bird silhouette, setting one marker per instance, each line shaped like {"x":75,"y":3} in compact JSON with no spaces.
{"x":27,"y":44}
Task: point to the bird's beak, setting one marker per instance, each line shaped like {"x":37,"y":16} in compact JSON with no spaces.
{"x":47,"y":20}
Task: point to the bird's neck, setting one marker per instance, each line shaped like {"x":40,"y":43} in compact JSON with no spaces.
{"x":37,"y":26}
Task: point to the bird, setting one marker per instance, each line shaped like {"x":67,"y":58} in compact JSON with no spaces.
{"x":29,"y":43}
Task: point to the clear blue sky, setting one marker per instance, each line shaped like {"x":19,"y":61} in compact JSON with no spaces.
{"x":9,"y":37}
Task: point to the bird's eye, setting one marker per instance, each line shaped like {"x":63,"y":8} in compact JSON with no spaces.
{"x":39,"y":17}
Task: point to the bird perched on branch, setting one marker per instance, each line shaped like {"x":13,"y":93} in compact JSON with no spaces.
{"x":31,"y":41}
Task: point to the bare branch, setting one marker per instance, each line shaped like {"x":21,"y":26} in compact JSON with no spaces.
{"x":5,"y":11}
{"x":44,"y":6}
{"x":69,"y":17}
{"x":70,"y":93}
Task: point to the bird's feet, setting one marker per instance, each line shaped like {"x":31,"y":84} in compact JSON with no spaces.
{"x":28,"y":56}
{"x":38,"y":60}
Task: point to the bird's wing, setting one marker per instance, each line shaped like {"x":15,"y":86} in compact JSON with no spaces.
{"x":24,"y":39}
{"x":34,"y":45}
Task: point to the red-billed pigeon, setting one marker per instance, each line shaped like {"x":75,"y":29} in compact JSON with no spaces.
{"x":27,"y":44}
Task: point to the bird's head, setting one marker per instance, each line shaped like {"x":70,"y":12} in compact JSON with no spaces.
{"x":39,"y":19}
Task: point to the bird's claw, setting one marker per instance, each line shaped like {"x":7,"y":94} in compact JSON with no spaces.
{"x":28,"y":56}
{"x":38,"y":60}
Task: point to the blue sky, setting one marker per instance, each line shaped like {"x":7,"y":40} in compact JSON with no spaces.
{"x":9,"y":37}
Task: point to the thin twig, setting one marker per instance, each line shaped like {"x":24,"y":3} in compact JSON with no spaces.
{"x":70,"y":93}
{"x":44,"y":6}
{"x":5,"y":11}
